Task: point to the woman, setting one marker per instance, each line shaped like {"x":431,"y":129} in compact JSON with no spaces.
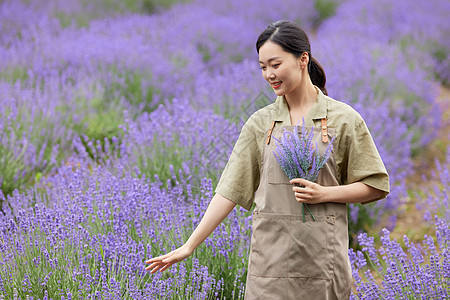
{"x":291,"y":258}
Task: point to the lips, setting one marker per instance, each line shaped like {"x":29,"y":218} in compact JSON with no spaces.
{"x":276,"y":84}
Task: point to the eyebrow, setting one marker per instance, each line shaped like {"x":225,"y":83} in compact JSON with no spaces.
{"x":270,"y":59}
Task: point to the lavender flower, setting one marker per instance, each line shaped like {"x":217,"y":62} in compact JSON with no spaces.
{"x":299,"y":158}
{"x":89,"y":93}
{"x":403,"y":276}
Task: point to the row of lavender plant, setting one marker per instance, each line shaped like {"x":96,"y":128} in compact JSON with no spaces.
{"x":179,"y":131}
{"x":95,"y":225}
{"x":140,"y":64}
{"x":385,"y":68}
{"x":30,"y":133}
{"x":40,"y":120}
{"x":161,"y":57}
{"x":408,"y":271}
{"x":87,"y":235}
{"x":402,"y":53}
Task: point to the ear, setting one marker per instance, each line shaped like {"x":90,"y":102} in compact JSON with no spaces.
{"x":303,"y":60}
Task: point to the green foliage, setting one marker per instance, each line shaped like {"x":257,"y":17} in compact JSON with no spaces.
{"x":364,"y":222}
{"x":11,"y":167}
{"x":166,"y":161}
{"x":435,"y":49}
{"x":80,"y":21}
{"x":101,"y":120}
{"x":151,"y":6}
{"x":99,"y":126}
{"x":139,"y":6}
{"x":14,"y":74}
{"x":111,"y":7}
{"x":131,"y":87}
{"x":17,"y":169}
{"x":326,"y":9}
{"x":100,"y":116}
{"x":160,"y":158}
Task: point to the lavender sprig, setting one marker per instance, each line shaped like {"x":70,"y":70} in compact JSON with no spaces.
{"x":409,"y":271}
{"x":299,"y":158}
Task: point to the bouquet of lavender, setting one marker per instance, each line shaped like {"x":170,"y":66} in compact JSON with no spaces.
{"x":299,"y":158}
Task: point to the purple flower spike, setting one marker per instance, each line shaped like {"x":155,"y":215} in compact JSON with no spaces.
{"x":423,"y":273}
{"x":298,"y":157}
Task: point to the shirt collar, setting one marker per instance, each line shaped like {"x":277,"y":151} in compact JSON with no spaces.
{"x":317,"y":111}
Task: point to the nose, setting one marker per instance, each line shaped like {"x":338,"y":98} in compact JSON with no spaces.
{"x":270,"y":74}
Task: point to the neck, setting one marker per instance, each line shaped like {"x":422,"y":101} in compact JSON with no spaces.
{"x":302,"y":97}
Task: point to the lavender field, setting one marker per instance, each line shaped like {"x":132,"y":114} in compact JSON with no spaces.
{"x":118,"y":116}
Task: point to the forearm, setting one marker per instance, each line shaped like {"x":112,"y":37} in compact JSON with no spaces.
{"x":217,"y":210}
{"x":351,"y":193}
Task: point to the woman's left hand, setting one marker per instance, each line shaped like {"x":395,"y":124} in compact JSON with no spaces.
{"x":312,"y":192}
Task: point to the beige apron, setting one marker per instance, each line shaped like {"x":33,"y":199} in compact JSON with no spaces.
{"x":289,"y":258}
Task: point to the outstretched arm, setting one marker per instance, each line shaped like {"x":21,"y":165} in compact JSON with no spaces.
{"x":217,"y":210}
{"x":351,"y":193}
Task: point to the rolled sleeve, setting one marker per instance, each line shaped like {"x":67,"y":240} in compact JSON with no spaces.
{"x":240,"y":178}
{"x":364,"y":162}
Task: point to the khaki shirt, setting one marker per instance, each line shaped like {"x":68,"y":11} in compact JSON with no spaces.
{"x":357,"y":158}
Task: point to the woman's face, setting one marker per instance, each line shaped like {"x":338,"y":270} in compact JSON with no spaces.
{"x":281,"y":69}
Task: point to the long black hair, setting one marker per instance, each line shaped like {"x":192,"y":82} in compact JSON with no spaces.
{"x":293,"y":39}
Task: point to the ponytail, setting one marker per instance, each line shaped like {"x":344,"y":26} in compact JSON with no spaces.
{"x":317,"y":75}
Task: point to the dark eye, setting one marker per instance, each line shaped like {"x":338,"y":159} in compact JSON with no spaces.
{"x":275,"y":66}
{"x":262,"y":68}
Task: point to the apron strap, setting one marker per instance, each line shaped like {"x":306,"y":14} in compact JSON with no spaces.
{"x":270,"y":132}
{"x":324,"y":130}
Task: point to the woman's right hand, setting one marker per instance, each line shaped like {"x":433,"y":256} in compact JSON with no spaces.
{"x":217,"y":210}
{"x":163,"y":262}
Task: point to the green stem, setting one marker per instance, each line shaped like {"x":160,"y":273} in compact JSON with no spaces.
{"x":309,"y":212}
{"x":303,"y":206}
{"x":303,"y":211}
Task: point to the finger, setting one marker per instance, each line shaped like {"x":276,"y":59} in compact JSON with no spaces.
{"x":158,"y":267}
{"x":304,"y":196}
{"x":302,"y":191}
{"x":153,"y":265}
{"x":299,"y":196}
{"x":299,"y":189}
{"x":158,"y":258}
{"x":295,"y":180}
{"x":168,"y":259}
{"x":152,"y":260}
{"x":300,"y":181}
{"x":149,"y":268}
{"x":171,"y":260}
{"x":166,"y":267}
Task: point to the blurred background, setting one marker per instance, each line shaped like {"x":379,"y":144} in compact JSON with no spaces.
{"x":118,"y":116}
